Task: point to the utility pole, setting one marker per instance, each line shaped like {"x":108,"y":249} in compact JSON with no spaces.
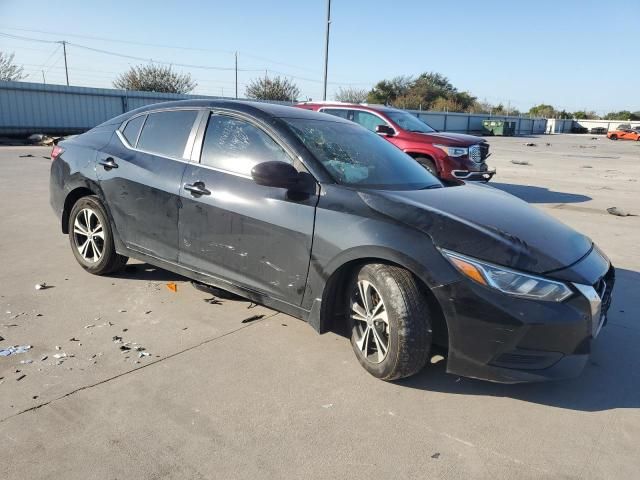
{"x":236,"y":75}
{"x":326,"y":50}
{"x":64,"y":51}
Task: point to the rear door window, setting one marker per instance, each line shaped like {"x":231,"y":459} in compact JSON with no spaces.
{"x":367,"y":120}
{"x":166,"y":133}
{"x":339,"y":112}
{"x":132,"y":129}
{"x":235,"y":145}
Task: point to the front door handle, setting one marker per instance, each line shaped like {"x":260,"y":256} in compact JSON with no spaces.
{"x":108,"y":163}
{"x":197,"y":189}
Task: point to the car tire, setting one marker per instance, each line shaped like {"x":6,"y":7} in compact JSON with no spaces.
{"x":428,"y":164}
{"x":613,"y":137}
{"x":91,"y":238}
{"x":389,"y":321}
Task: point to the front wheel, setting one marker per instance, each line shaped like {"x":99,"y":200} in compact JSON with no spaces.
{"x":613,"y":137}
{"x":428,"y":165}
{"x":390,"y":321}
{"x":91,"y":238}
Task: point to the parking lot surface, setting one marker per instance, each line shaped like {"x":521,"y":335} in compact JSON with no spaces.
{"x":221,"y":398}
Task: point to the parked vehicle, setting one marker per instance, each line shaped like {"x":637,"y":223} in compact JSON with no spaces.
{"x":449,"y":156}
{"x":625,"y":132}
{"x":319,"y":218}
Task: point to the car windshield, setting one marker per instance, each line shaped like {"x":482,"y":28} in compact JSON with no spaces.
{"x":409,"y":122}
{"x":357,"y":157}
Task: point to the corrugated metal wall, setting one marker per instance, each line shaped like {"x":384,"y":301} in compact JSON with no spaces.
{"x":34,"y":107}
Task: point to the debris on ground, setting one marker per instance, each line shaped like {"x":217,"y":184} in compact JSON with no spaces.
{"x":586,"y":166}
{"x":73,"y":339}
{"x":1,"y":338}
{"x":20,"y":377}
{"x":548,"y":144}
{"x":143,"y":354}
{"x":594,"y":138}
{"x":117,"y":339}
{"x":620,"y":212}
{"x":43,"y":358}
{"x":28,"y":155}
{"x":26,"y":362}
{"x":43,"y":286}
{"x":436,"y":455}
{"x":122,"y":310}
{"x":91,"y":325}
{"x":212,"y":301}
{"x":253,"y":318}
{"x":172,"y":286}
{"x":520,"y":162}
{"x":63,"y":355}
{"x":40,"y":139}
{"x":148,"y":312}
{"x":58,"y":347}
{"x":15,"y":349}
{"x":328,"y":405}
{"x":529,"y":144}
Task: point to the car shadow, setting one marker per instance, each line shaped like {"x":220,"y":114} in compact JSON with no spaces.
{"x":610,"y":380}
{"x":533,"y":194}
{"x":147,"y":272}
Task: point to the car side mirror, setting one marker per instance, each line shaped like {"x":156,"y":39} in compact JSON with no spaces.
{"x":385,"y":130}
{"x":275,"y":174}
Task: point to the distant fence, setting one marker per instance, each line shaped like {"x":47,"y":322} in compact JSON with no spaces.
{"x":27,"y":108}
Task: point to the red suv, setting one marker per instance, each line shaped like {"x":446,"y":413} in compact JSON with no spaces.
{"x":450,"y":156}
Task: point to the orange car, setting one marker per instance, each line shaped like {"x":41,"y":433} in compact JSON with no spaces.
{"x":625,"y":132}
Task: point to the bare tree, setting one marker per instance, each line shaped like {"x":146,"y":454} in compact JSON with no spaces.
{"x":352,"y":95}
{"x":155,"y":78}
{"x":10,"y":72}
{"x":276,"y":88}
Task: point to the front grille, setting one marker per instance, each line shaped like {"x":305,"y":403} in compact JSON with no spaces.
{"x":604,"y":287}
{"x":479,"y":153}
{"x":475,"y":154}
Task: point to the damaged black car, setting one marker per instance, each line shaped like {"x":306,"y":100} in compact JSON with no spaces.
{"x":324,"y":220}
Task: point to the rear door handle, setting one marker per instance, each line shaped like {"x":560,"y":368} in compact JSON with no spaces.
{"x":197,"y":189}
{"x":108,"y":163}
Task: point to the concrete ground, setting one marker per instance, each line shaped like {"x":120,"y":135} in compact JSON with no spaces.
{"x":219,"y":398}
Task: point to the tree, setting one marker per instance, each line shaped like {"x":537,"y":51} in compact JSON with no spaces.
{"x":584,"y":115}
{"x":428,"y":91}
{"x":9,"y":72}
{"x":622,"y":115}
{"x":276,"y":88}
{"x":542,"y":110}
{"x":155,"y":78}
{"x":351,"y":95}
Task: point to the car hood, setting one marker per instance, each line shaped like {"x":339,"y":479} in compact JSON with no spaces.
{"x":485,"y":223}
{"x":450,"y":139}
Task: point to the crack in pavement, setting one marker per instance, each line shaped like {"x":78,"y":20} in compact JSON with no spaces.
{"x":175,"y":354}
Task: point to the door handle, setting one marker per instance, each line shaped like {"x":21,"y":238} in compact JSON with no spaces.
{"x":197,"y":189}
{"x":108,"y":163}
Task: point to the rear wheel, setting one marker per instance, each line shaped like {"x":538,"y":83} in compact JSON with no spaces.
{"x":390,"y":321}
{"x":428,"y":164}
{"x":91,"y":238}
{"x":613,"y":137}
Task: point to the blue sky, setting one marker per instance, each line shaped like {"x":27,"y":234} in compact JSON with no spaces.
{"x":568,"y":53}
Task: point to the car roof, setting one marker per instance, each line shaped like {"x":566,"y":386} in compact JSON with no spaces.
{"x":363,"y":106}
{"x":261,"y":110}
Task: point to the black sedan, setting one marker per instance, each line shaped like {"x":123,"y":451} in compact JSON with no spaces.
{"x":319,"y":218}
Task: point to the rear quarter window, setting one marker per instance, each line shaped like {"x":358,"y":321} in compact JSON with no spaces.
{"x":132,"y":129}
{"x":166,"y":133}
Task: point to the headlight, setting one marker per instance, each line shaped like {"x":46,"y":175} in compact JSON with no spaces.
{"x":507,"y":280}
{"x":453,"y":151}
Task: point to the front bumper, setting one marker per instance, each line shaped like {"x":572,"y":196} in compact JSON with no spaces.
{"x":478,"y":176}
{"x":506,"y":339}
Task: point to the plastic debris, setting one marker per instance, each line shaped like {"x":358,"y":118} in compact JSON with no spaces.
{"x":91,"y":325}
{"x":117,"y":339}
{"x":20,"y":377}
{"x":5,"y":352}
{"x":58,"y":347}
{"x":122,"y":310}
{"x":529,"y":144}
{"x":436,"y":455}
{"x":143,"y":354}
{"x":520,"y":162}
{"x":253,"y":318}
{"x":172,"y":286}
{"x":328,"y":405}
{"x":62,"y":355}
{"x":73,"y":339}
{"x":619,"y":212}
{"x":41,"y":286}
{"x":44,"y":357}
{"x":26,"y":362}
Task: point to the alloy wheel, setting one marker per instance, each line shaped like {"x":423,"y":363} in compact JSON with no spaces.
{"x":88,"y":234}
{"x":371,"y":322}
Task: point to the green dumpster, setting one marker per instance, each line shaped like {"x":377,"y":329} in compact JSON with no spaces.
{"x":505,"y":128}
